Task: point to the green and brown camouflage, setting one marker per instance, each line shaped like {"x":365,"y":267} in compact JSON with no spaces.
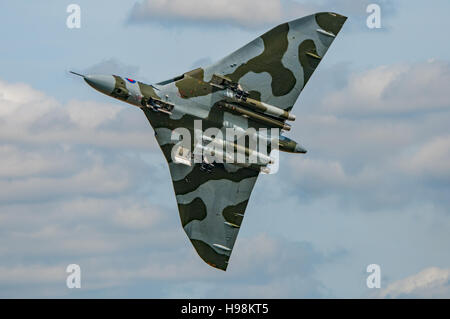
{"x":254,"y":87}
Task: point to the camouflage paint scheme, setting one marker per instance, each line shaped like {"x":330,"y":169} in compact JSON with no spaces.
{"x":273,"y":69}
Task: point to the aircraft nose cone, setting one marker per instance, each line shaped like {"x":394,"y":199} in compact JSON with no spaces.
{"x":102,"y":83}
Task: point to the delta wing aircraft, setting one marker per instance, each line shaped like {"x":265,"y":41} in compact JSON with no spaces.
{"x":254,"y":87}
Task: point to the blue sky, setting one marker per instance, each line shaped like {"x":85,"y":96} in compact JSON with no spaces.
{"x":83,"y":181}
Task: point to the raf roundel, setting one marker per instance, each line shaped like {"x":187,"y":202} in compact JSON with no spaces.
{"x":131,"y":80}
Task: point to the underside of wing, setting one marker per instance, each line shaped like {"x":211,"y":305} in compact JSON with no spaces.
{"x":212,"y":206}
{"x":276,"y":66}
{"x":211,"y":202}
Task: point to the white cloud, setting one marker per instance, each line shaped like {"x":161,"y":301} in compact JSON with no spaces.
{"x":244,"y":13}
{"x":46,"y":148}
{"x":89,"y":114}
{"x":21,"y":105}
{"x":30,"y":116}
{"x":247,"y":13}
{"x":15,"y":162}
{"x":98,"y":178}
{"x":32,"y":274}
{"x":379,"y":140}
{"x":394,"y":89}
{"x":136,"y":217}
{"x":432,"y":282}
{"x":432,"y":160}
{"x":316,"y":173}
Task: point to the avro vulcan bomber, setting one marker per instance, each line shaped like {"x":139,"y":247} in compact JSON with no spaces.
{"x":250,"y":91}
